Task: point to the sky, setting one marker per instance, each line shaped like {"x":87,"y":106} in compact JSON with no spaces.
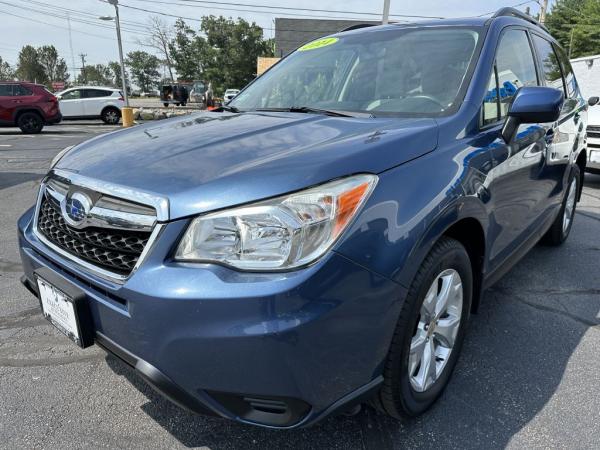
{"x":43,"y":22}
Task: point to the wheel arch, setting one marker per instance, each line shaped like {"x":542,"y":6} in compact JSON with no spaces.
{"x":466,"y":221}
{"x":26,"y":109}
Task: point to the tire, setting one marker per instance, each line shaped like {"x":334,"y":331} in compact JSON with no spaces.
{"x":177,"y":104}
{"x":166,"y":105}
{"x":30,"y":123}
{"x":561,"y":228}
{"x":111,"y":116}
{"x":401,"y":395}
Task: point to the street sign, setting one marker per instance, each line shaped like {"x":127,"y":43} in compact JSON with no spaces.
{"x":58,"y":85}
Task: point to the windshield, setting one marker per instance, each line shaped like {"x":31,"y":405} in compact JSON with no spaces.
{"x":404,"y":71}
{"x":199,"y":87}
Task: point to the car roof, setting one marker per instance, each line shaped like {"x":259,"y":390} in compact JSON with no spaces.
{"x":503,"y":15}
{"x":104,"y":88}
{"x":28,"y":83}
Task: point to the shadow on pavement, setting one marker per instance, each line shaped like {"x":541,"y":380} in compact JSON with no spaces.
{"x":9,"y":179}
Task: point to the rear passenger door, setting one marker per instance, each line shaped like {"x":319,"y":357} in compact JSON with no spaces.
{"x":94,"y":101}
{"x":516,"y":185}
{"x":568,"y":131}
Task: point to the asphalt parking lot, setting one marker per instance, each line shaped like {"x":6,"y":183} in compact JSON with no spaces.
{"x":528,"y":376}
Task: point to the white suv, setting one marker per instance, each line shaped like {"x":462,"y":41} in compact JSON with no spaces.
{"x":87,"y":102}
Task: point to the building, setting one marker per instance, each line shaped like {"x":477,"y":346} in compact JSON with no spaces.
{"x":292,"y":33}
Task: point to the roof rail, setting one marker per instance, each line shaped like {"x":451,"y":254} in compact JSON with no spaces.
{"x":357,"y":26}
{"x":512,"y":12}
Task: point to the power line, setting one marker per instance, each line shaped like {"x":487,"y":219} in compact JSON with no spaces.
{"x":289,"y":8}
{"x":29,"y":19}
{"x":76,"y":12}
{"x":60,"y":16}
{"x":223,"y":9}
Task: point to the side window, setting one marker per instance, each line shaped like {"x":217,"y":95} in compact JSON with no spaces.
{"x":72,"y":95}
{"x":491,"y":110}
{"x":550,"y":65}
{"x":21,"y":90}
{"x":572,"y":100}
{"x":95,"y":93}
{"x":514,"y":68}
{"x":5,"y":90}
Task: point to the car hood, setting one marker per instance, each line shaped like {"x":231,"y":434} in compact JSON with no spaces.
{"x":212,"y":160}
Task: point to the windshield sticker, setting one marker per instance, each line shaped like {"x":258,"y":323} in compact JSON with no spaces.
{"x":318,"y":44}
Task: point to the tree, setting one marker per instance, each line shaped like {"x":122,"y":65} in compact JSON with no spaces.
{"x":29,"y":67}
{"x":160,"y":37}
{"x":144,"y":69}
{"x":6,"y":71}
{"x":224,"y":54}
{"x":574,"y":23}
{"x":54,"y":67}
{"x":115,"y":73}
{"x":95,"y":75}
{"x":185,"y":52}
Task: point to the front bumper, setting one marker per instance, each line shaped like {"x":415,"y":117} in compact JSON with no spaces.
{"x":279,"y":350}
{"x":593,"y":147}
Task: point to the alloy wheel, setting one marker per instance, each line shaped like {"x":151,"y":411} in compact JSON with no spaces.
{"x":436,"y":331}
{"x":111,"y":117}
{"x":570,"y":205}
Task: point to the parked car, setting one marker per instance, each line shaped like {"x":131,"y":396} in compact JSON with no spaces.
{"x":230,"y":94}
{"x":28,"y":106}
{"x":176,"y":94}
{"x":587,"y":71}
{"x":92,"y":102}
{"x":202,"y":93}
{"x":322,"y":240}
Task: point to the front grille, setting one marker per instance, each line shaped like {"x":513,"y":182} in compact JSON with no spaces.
{"x":593,"y":131}
{"x":111,"y":249}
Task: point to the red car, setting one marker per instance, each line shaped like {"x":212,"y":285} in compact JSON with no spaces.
{"x":28,"y":106}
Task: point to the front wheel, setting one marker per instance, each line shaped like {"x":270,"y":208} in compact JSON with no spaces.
{"x":429,"y":333}
{"x":561,"y":228}
{"x":30,"y":123}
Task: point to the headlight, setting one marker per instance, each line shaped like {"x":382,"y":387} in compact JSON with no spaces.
{"x":278,"y":234}
{"x":62,"y":153}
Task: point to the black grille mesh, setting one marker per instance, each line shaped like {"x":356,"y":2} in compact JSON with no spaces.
{"x":114,"y":250}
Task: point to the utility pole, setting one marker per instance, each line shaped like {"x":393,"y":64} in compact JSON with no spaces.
{"x":543,"y":9}
{"x":82,"y":56}
{"x":73,"y":69}
{"x":115,"y":3}
{"x":571,"y":41}
{"x":386,"y":12}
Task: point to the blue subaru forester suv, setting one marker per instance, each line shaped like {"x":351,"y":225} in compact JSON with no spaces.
{"x":321,"y":241}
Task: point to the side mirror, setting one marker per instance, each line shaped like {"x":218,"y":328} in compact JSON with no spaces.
{"x":59,"y":97}
{"x":592,"y":101}
{"x":532,"y":104}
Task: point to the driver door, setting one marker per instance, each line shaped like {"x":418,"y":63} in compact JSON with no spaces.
{"x":71,"y":103}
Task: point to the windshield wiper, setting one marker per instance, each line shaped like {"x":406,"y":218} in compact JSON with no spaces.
{"x":232,"y":109}
{"x":308,"y":109}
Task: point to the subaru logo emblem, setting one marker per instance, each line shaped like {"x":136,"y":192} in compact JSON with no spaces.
{"x":75,"y":209}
